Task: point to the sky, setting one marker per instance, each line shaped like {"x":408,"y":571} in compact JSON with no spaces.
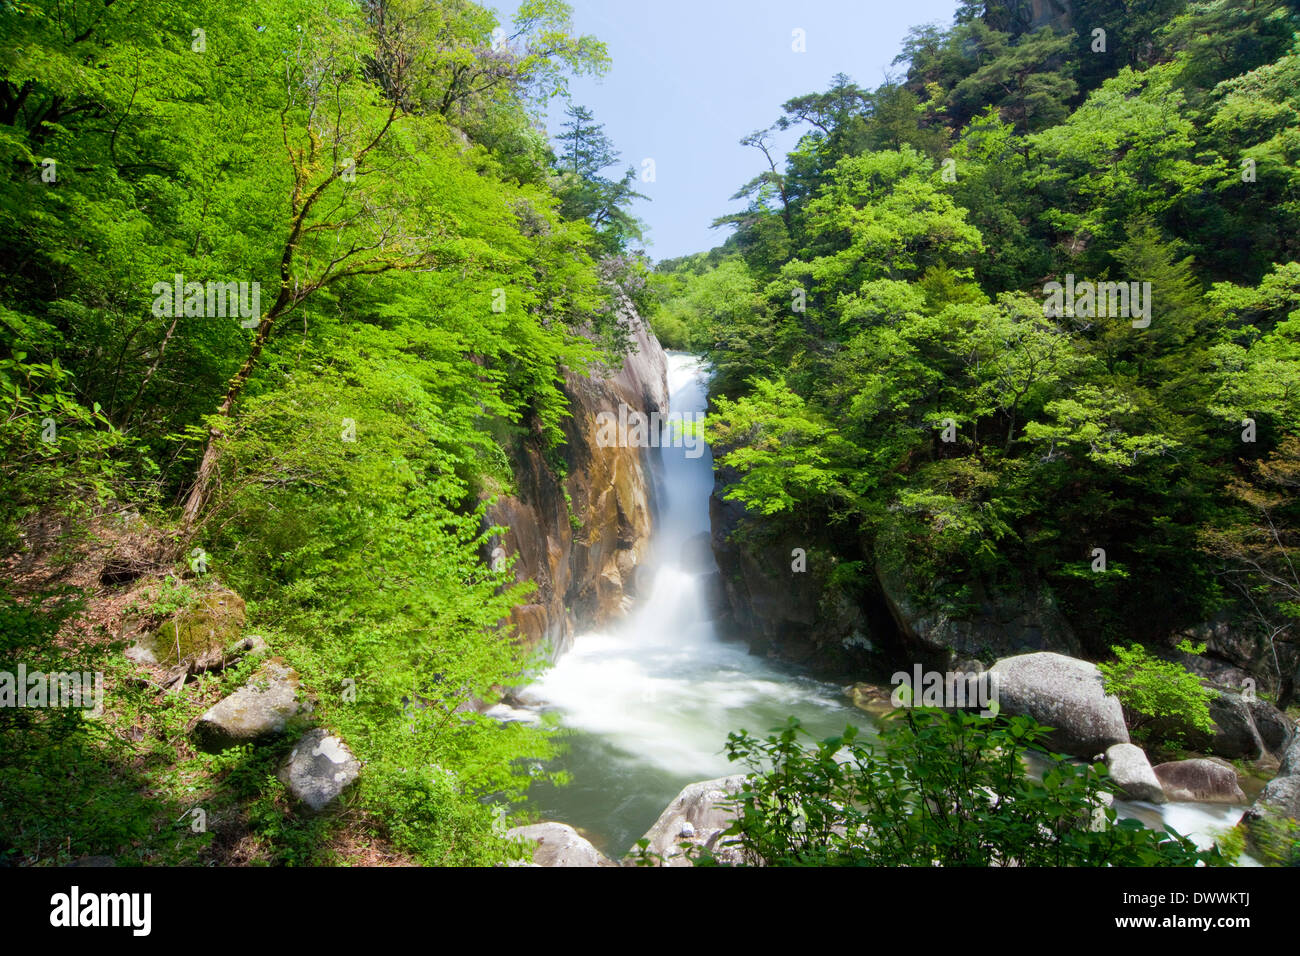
{"x":690,"y":78}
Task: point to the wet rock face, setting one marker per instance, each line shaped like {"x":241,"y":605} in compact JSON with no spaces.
{"x":1291,"y":759}
{"x":583,"y":539}
{"x":797,"y":615}
{"x":1244,"y":729}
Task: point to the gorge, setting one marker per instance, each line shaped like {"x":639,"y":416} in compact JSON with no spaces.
{"x":646,"y":701}
{"x":526,"y":449}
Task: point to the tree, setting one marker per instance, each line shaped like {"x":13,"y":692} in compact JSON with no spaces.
{"x":1026,"y":79}
{"x":585,"y":194}
{"x":452,"y":58}
{"x":785,"y":455}
{"x":1260,"y":554}
{"x":332,"y":232}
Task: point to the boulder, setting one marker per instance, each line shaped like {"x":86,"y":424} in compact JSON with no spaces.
{"x":319,"y":769}
{"x":1245,"y":728}
{"x":1235,"y":736}
{"x":1281,"y":797}
{"x":696,"y":817}
{"x":1064,"y":693}
{"x":1276,"y":730}
{"x":1132,"y":773}
{"x":1201,"y":781}
{"x":558,"y":844}
{"x":199,"y":638}
{"x":873,"y":698}
{"x":203,"y":637}
{"x":261,"y":708}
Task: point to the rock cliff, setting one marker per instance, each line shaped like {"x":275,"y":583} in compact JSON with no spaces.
{"x":793,"y":596}
{"x":581,"y":531}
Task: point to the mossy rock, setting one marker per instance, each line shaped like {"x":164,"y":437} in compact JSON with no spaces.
{"x":198,"y":637}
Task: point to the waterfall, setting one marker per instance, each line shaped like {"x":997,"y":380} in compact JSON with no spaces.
{"x":649,"y":703}
{"x":651,"y":700}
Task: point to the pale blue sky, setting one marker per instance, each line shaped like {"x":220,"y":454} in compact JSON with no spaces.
{"x":691,"y":77}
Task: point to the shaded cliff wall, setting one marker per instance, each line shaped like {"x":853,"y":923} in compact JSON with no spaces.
{"x":584,"y":551}
{"x":825,"y":616}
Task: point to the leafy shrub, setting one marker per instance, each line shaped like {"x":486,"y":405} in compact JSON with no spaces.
{"x":938,"y":788}
{"x":1150,"y":689}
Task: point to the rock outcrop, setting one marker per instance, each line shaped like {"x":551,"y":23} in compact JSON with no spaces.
{"x":1239,"y":656}
{"x":1064,"y":693}
{"x":696,"y":817}
{"x":1058,"y":14}
{"x":1200,"y":780}
{"x":582,"y":537}
{"x":558,"y":844}
{"x":999,"y":625}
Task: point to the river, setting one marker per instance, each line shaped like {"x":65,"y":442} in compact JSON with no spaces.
{"x":648,"y":704}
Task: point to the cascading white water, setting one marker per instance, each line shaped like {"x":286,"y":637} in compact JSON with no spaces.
{"x":649,"y":703}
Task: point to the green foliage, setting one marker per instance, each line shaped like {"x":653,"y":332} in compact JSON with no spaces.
{"x":785,"y":453}
{"x":1153,"y":690}
{"x":425,"y":282}
{"x":585,"y":151}
{"x":936,"y":789}
{"x":895,"y":270}
{"x":65,"y":778}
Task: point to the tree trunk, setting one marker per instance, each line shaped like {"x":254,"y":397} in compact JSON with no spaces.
{"x":202,"y":487}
